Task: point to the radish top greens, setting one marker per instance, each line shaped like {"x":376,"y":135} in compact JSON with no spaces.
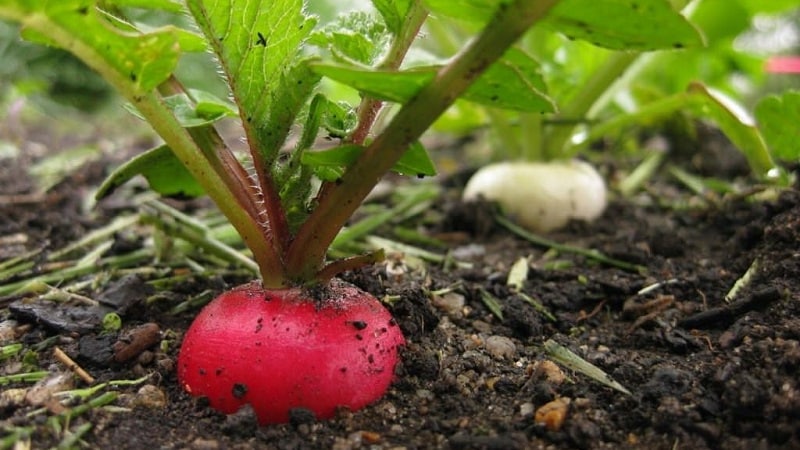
{"x":273,"y":54}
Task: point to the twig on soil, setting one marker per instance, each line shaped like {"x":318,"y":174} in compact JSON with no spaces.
{"x":742,"y":282}
{"x":722,"y":316}
{"x":73,"y":366}
{"x":589,"y":253}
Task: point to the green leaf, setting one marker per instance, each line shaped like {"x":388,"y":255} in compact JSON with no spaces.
{"x":393,"y":12}
{"x":778,"y":118}
{"x":356,"y":37}
{"x":329,"y":164}
{"x":257,"y":43}
{"x":202,"y":108}
{"x":738,"y":126}
{"x":163,"y":171}
{"x":163,"y":5}
{"x":478,"y":11}
{"x":513,"y":83}
{"x":624,"y":24}
{"x":616,"y":24}
{"x":206,"y":112}
{"x":393,"y":86}
{"x":138,"y":61}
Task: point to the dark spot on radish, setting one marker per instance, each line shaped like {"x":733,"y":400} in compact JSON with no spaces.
{"x":358,"y":324}
{"x":202,"y":371}
{"x":259,"y":324}
{"x":359,"y":337}
{"x":219,"y":371}
{"x":343,"y":369}
{"x":239,"y":390}
{"x":371,"y":359}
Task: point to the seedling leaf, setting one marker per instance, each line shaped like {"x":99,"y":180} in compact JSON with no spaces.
{"x":778,"y":118}
{"x":163,"y":171}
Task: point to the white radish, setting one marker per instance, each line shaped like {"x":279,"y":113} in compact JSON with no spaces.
{"x":541,"y":196}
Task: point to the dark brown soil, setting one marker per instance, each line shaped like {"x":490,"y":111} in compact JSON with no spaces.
{"x":703,"y":372}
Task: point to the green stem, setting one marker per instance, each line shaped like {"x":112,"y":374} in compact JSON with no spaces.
{"x":370,"y":107}
{"x":578,"y":106}
{"x":530,"y":125}
{"x":306,"y":254}
{"x":544,"y":242}
{"x":505,"y":134}
{"x":648,"y":113}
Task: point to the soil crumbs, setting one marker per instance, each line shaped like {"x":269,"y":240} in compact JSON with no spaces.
{"x":702,"y":371}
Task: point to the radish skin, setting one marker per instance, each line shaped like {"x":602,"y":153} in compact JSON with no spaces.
{"x":541,"y":197}
{"x":278,"y":350}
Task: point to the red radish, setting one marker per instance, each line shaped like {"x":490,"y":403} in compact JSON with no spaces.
{"x":282,"y":349}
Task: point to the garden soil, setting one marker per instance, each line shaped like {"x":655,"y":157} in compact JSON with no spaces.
{"x":702,"y":369}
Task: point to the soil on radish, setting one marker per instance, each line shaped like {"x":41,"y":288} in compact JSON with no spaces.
{"x":703,"y":372}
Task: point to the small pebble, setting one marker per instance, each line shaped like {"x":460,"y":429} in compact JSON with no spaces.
{"x":549,"y":371}
{"x":149,"y":396}
{"x":451,"y":303}
{"x":204,"y":444}
{"x":12,"y":398}
{"x":43,"y":390}
{"x":500,"y":347}
{"x":526,"y":409}
{"x":8,"y":331}
{"x":552,"y":414}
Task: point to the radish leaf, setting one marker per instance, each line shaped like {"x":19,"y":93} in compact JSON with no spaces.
{"x":164,"y":173}
{"x":512,"y":83}
{"x":615,"y":24}
{"x":257,"y":43}
{"x":330,"y":164}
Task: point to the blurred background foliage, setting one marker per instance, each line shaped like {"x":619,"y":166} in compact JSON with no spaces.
{"x":740,"y":35}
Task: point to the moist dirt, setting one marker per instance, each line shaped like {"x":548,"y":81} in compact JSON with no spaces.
{"x":703,"y":371}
